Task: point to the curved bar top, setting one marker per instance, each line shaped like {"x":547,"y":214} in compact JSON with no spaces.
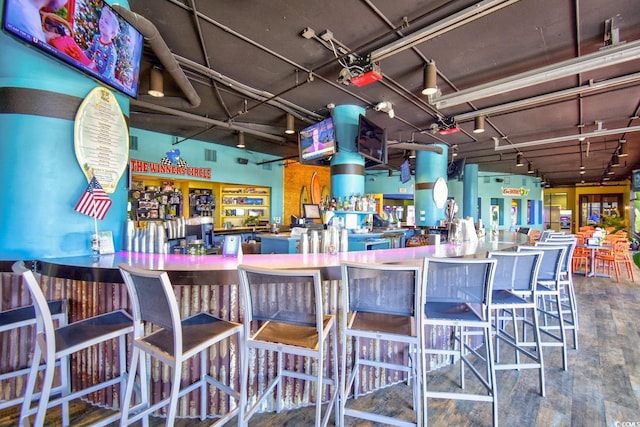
{"x":209,"y":283}
{"x":190,"y":269}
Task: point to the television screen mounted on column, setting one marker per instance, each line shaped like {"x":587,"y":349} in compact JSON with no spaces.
{"x":88,"y":35}
{"x":371,"y":142}
{"x":317,"y":142}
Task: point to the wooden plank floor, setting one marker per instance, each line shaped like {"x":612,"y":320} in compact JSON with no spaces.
{"x":601,"y":387}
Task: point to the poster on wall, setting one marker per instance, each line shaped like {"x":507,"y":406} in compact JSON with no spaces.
{"x":101,"y":138}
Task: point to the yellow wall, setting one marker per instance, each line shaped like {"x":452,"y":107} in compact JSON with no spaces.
{"x":574,"y":193}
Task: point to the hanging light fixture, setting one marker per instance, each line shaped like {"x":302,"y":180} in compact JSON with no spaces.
{"x":412,"y":154}
{"x":530,"y":168}
{"x":519,"y":161}
{"x":156,"y":83}
{"x":429,"y":82}
{"x":478,"y":124}
{"x":622,"y":148}
{"x":290,"y":124}
{"x":240,"y":143}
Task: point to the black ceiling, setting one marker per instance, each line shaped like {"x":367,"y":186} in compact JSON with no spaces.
{"x":247,"y":64}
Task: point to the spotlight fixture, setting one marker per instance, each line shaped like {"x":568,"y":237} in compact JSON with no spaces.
{"x":454,"y":151}
{"x":412,"y":154}
{"x":429,"y":82}
{"x":530,"y":168}
{"x":478,"y":124}
{"x":519,"y":161}
{"x":156,"y":84}
{"x":385,"y":107}
{"x":622,"y":148}
{"x":582,"y":171}
{"x":240,"y":143}
{"x":290,"y":124}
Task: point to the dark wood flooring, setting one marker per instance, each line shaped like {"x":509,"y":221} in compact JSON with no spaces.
{"x":600,"y":388}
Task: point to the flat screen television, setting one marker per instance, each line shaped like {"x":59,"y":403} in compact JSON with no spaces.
{"x":371,"y":141}
{"x":88,"y":35}
{"x":455,"y":170}
{"x":311,"y":211}
{"x":405,"y":171}
{"x":317,"y":141}
{"x":635,"y":180}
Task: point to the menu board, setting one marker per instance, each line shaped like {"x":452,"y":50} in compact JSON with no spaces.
{"x":101,"y":138}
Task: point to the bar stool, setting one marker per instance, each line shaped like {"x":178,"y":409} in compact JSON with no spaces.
{"x":160,"y":333}
{"x":549,"y":298}
{"x":21,"y":317}
{"x":283,"y":313}
{"x":514,"y":299}
{"x":567,"y":291}
{"x":380,"y":302}
{"x":59,"y":344}
{"x":457,"y":295}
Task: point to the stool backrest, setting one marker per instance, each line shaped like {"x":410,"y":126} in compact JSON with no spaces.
{"x":281,"y":295}
{"x":463,"y":280}
{"x":552,"y":259}
{"x":569,"y":243}
{"x":152,"y":300}
{"x":516,"y":271}
{"x":382,"y":288}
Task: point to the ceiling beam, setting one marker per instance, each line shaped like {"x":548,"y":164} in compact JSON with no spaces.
{"x":447,"y":24}
{"x":602,"y":58}
{"x":576,"y":137}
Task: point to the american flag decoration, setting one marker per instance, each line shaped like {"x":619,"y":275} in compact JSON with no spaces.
{"x":94,"y":201}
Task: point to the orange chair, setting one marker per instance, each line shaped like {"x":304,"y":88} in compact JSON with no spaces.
{"x":534,"y":236}
{"x":581,"y":258}
{"x":623,"y":257}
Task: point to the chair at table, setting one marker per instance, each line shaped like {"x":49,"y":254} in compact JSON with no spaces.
{"x":59,"y":344}
{"x":160,"y":333}
{"x":567,"y":290}
{"x":514,"y":310}
{"x":283,"y":313}
{"x":22,"y":317}
{"x":549,"y":297}
{"x":380,"y":302}
{"x":610,"y":259}
{"x":534,"y":236}
{"x":457,"y":295}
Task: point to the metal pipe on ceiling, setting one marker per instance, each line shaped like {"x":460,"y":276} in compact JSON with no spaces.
{"x":602,"y":58}
{"x":452,"y":22}
{"x":162,"y":51}
{"x":553,"y":96}
{"x":218,"y":123}
{"x":576,"y":137}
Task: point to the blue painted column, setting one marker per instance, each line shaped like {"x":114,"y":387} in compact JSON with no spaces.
{"x":429,"y":167}
{"x":41,"y":178}
{"x":347,"y":166}
{"x":470,"y":192}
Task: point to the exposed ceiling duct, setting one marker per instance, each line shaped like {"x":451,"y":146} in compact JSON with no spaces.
{"x":164,"y":55}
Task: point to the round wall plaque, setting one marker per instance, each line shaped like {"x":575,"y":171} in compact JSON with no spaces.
{"x":440,"y":192}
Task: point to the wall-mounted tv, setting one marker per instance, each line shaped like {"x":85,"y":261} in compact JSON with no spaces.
{"x":371,"y":142}
{"x":455,"y":170}
{"x":86,"y":34}
{"x":635,"y":180}
{"x":317,"y":141}
{"x":405,"y":171}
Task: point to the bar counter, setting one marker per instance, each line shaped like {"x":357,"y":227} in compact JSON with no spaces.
{"x":205,"y":283}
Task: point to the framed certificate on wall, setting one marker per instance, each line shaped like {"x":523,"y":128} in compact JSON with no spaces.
{"x":232,"y":246}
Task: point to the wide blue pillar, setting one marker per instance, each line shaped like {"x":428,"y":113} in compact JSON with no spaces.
{"x":470,"y":192}
{"x":347,"y":166}
{"x":429,"y":167}
{"x":41,"y":178}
